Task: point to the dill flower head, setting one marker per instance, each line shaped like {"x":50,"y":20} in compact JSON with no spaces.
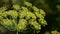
{"x":20,"y":18}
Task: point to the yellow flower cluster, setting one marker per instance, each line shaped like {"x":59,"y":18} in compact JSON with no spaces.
{"x":22,"y":25}
{"x":8,"y":24}
{"x":40,"y":14}
{"x":9,"y":19}
{"x":35,"y":24}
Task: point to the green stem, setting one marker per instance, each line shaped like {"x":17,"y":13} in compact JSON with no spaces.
{"x":17,"y":32}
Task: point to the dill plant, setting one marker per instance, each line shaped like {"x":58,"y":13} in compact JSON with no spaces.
{"x":22,"y":18}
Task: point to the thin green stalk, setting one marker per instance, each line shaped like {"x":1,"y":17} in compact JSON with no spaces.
{"x":17,"y":32}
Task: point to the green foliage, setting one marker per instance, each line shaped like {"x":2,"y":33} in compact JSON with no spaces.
{"x":52,"y":32}
{"x":18,"y":2}
{"x":21,"y":17}
{"x":55,"y":32}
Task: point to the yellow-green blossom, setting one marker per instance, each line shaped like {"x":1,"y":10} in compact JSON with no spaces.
{"x":8,"y":24}
{"x":21,"y":17}
{"x":13,"y":13}
{"x":35,"y":24}
{"x":35,"y":9}
{"x":28,"y":4}
{"x":21,"y":25}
